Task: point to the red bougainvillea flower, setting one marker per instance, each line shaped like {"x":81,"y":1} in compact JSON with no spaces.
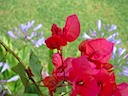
{"x":108,"y":86}
{"x":61,"y":67}
{"x":85,"y":85}
{"x":56,"y":41}
{"x":123,"y":89}
{"x":79,"y":66}
{"x":58,"y":62}
{"x":81,"y":75}
{"x":97,"y":50}
{"x":107,"y":66}
{"x":51,"y":83}
{"x":111,"y":89}
{"x":69,"y":33}
{"x":68,"y":67}
{"x":102,"y":76}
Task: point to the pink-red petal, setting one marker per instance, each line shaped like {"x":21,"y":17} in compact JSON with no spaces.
{"x":72,"y":28}
{"x":56,"y":41}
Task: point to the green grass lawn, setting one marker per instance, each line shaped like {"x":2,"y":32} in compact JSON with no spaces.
{"x":47,"y":12}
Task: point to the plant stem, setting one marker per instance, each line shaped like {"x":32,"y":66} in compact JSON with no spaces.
{"x":23,"y":65}
{"x":10,"y":51}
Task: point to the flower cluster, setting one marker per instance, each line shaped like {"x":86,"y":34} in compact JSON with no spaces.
{"x":119,"y":55}
{"x":60,"y":37}
{"x":4,"y":89}
{"x":23,"y":33}
{"x":90,"y":74}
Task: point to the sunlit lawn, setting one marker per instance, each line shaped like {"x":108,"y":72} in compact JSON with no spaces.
{"x":47,"y":12}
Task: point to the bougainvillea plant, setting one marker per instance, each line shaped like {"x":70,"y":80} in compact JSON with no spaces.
{"x":89,"y":74}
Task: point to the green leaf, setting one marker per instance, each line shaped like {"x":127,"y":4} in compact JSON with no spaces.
{"x":50,"y":65}
{"x":30,"y":94}
{"x":2,"y":52}
{"x":60,"y":89}
{"x":31,"y":89}
{"x":35,"y":65}
{"x":21,"y":71}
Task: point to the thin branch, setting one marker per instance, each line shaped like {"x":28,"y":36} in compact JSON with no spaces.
{"x":23,"y":65}
{"x":26,"y":86}
{"x":10,"y":51}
